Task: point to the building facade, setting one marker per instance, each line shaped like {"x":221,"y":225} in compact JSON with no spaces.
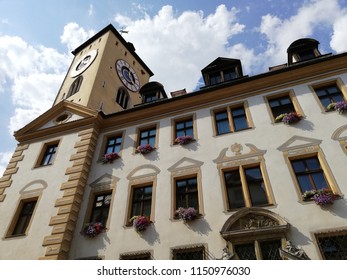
{"x":247,"y":167}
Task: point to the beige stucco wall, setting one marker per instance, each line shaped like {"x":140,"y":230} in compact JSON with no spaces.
{"x":304,"y":218}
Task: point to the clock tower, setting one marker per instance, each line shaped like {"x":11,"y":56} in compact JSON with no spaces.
{"x":106,"y":74}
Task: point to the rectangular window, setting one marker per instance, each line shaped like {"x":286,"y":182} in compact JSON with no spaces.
{"x":101,"y":208}
{"x":187,"y":193}
{"x":113,"y":144}
{"x":136,"y":256}
{"x":141,"y":201}
{"x":231,"y":120}
{"x":150,"y":97}
{"x":24,"y":216}
{"x":309,"y":174}
{"x":245,"y":187}
{"x":184,"y":128}
{"x":229,"y":75}
{"x":189,"y":254}
{"x":266,"y":250}
{"x":329,"y":94}
{"x":49,"y":153}
{"x":333,"y":246}
{"x":281,"y":105}
{"x":215,"y":78}
{"x":147,"y":136}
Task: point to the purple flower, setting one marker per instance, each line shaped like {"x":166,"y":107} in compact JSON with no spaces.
{"x":110,"y":157}
{"x":186,"y":214}
{"x":324,"y":197}
{"x":144,"y":149}
{"x":341,"y":106}
{"x":182,"y":140}
{"x":93,"y":229}
{"x":292,"y":117}
{"x":140,"y":223}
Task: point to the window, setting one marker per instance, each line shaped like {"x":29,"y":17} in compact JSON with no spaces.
{"x":23,"y":217}
{"x":113,"y":144}
{"x":329,"y":94}
{"x":147,"y":136}
{"x":281,"y":105}
{"x":215,"y":78}
{"x":122,"y":97}
{"x":136,"y":256}
{"x":245,"y":187}
{"x":75,"y":86}
{"x":229,"y":74}
{"x":184,"y":128}
{"x":101,"y":208}
{"x":309,"y":174}
{"x":187,"y":193}
{"x":197,"y":253}
{"x":150,"y":97}
{"x":231,"y":120}
{"x":141,"y":203}
{"x":333,"y":246}
{"x":48,"y":154}
{"x":259,"y":250}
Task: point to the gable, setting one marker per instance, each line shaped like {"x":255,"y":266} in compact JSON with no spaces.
{"x":65,"y":115}
{"x":297,"y":142}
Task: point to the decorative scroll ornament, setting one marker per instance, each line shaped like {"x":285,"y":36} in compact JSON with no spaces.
{"x":252,"y":221}
{"x":293,"y":252}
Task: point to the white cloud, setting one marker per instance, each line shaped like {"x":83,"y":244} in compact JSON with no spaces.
{"x":74,"y":35}
{"x":280,"y":33}
{"x":91,"y":10}
{"x":338,"y":41}
{"x":186,"y":42}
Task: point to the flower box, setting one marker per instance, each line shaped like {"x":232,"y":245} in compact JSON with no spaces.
{"x":144,"y":149}
{"x":109,"y":158}
{"x":288,"y":118}
{"x":320,"y":197}
{"x":140,"y":223}
{"x":340,"y":107}
{"x":186,"y":214}
{"x":93,"y":229}
{"x":183,"y":140}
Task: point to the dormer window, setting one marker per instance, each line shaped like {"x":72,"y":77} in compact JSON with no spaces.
{"x":152,"y":92}
{"x":222,"y":70}
{"x":303,"y":50}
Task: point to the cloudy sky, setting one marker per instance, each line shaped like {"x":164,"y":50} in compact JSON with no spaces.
{"x":37,"y":37}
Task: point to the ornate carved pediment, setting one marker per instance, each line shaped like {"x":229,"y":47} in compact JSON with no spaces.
{"x":253,"y":222}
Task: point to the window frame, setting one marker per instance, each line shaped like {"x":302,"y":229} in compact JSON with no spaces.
{"x":188,"y":249}
{"x":75,"y":86}
{"x":43,"y":153}
{"x":17,"y":215}
{"x":122,"y":97}
{"x":327,"y":234}
{"x":186,"y":193}
{"x":310,"y":151}
{"x":291,"y":95}
{"x":257,"y":246}
{"x":229,"y":111}
{"x":142,"y":129}
{"x":245,"y":186}
{"x":174,"y":122}
{"x":92,"y":207}
{"x":105,"y":140}
{"x":129,"y":215}
{"x":336,"y":82}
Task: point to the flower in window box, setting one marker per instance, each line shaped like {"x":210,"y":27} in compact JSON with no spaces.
{"x":187,"y":214}
{"x":320,"y":197}
{"x":140,"y":223}
{"x":292,"y":117}
{"x":279,"y":118}
{"x":144,"y":149}
{"x":93,"y":229}
{"x":110,"y":157}
{"x":331,"y":106}
{"x":183,"y":140}
{"x":341,"y":106}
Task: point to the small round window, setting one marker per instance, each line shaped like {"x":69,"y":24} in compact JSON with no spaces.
{"x":62,"y":118}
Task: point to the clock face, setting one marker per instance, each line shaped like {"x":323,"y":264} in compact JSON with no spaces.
{"x":82,"y":64}
{"x":127,"y":75}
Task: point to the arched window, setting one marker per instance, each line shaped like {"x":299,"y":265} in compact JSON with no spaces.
{"x":122,"y":97}
{"x":75,"y":86}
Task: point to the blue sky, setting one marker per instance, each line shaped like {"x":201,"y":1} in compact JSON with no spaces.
{"x":37,"y":37}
